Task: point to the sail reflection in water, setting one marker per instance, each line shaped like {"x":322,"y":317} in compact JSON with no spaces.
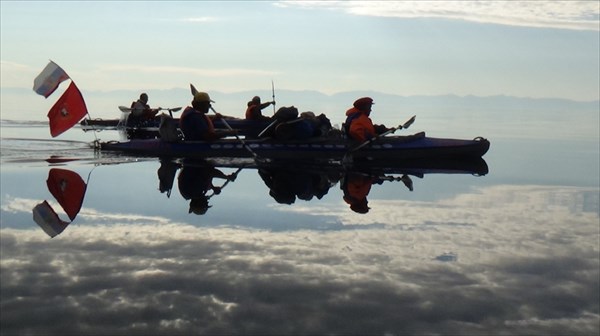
{"x":68,"y":188}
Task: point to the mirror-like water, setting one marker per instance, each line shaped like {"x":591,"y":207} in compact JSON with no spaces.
{"x":140,"y":248}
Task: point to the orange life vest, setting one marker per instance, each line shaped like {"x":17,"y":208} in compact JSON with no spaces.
{"x":361,"y":127}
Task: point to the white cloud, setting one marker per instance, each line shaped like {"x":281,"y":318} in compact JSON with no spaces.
{"x":201,"y":19}
{"x":205,"y":72}
{"x":578,"y":15}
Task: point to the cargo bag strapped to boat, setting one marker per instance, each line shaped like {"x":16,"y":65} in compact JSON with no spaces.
{"x":289,"y":126}
{"x":168,"y":129}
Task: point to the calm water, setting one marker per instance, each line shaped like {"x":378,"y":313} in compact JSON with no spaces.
{"x":512,"y":252}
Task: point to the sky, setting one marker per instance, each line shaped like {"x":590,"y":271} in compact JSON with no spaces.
{"x":532,"y":49}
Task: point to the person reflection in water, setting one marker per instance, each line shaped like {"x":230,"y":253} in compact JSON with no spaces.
{"x":356,"y":187}
{"x":195,"y":180}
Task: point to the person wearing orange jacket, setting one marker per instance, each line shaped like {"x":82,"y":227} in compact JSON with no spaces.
{"x":356,"y":188}
{"x":255,"y":107}
{"x":358,"y":125}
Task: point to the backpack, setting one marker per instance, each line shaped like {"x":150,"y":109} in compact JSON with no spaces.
{"x":168,"y":129}
{"x":286,"y":114}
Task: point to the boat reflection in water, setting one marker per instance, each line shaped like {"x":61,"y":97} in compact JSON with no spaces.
{"x":289,"y":181}
{"x":198,"y":180}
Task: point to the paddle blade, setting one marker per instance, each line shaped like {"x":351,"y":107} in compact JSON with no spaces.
{"x":409,"y":122}
{"x":407,"y":182}
{"x":193,"y":89}
{"x":124,"y":109}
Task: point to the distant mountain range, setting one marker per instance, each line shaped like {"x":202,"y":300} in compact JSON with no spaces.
{"x":103,"y":104}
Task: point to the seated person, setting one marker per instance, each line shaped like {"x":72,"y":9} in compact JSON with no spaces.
{"x":255,"y":107}
{"x":358,"y":125}
{"x":195,"y":180}
{"x":141,"y":111}
{"x":196,"y":125}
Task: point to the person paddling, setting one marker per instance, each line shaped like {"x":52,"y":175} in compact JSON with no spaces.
{"x":358,"y":125}
{"x":195,"y":123}
{"x":141,"y":111}
{"x":196,"y":179}
{"x":255,"y":107}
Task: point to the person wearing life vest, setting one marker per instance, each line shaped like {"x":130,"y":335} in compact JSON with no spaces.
{"x":195,"y":123}
{"x":141,"y":111}
{"x":255,"y":107}
{"x":358,"y":125}
{"x":195,"y":180}
{"x":356,"y":188}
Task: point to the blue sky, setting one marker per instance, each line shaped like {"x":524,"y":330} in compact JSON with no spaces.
{"x":527,"y":49}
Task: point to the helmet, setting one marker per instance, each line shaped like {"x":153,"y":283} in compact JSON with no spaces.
{"x":363,"y":103}
{"x":199,"y":206}
{"x":200,"y":97}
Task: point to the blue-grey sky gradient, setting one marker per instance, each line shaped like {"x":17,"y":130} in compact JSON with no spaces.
{"x":533,"y":49}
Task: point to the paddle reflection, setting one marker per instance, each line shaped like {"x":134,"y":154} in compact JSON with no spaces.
{"x":356,"y":186}
{"x":195,"y":181}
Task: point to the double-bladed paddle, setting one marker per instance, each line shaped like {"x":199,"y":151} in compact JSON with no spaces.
{"x":171,"y":110}
{"x":391,"y":130}
{"x":348,"y":156}
{"x":237,"y":136}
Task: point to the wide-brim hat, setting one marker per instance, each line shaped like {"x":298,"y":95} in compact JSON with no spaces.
{"x":201,"y":97}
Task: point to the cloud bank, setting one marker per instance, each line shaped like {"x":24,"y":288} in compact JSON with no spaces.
{"x":504,"y":259}
{"x":577,"y":15}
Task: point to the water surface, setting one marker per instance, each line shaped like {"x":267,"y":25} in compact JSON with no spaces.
{"x":513,"y":251}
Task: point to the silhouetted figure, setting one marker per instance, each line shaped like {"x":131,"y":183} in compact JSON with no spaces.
{"x":255,"y":107}
{"x":141,"y":111}
{"x":356,"y":187}
{"x":358,"y":125}
{"x":195,"y":180}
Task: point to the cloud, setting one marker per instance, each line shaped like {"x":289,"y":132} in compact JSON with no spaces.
{"x":206,"y":72}
{"x":526,"y":263}
{"x":201,"y":19}
{"x":577,"y":15}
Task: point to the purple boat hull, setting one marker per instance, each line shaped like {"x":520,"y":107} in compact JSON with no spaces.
{"x":392,"y":148}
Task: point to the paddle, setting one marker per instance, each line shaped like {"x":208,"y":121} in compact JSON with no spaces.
{"x":256,"y":158}
{"x":267,"y":128}
{"x":171,"y":110}
{"x":273,"y":91}
{"x":229,"y":179}
{"x":391,"y":130}
{"x":193,"y":89}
